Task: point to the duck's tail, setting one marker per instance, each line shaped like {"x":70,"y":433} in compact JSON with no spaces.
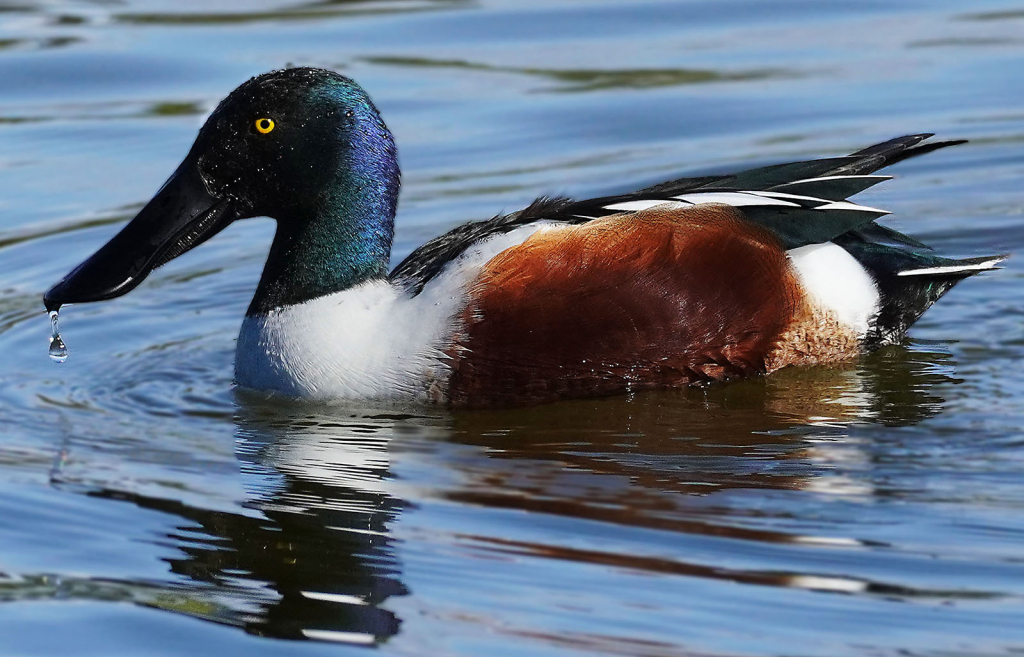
{"x":909,"y":276}
{"x":909,"y":282}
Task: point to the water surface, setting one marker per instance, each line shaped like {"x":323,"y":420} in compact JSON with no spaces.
{"x":145,"y":508}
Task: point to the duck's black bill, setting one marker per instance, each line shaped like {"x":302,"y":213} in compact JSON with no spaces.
{"x":182,"y":215}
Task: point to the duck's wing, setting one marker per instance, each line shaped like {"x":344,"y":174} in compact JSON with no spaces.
{"x":800,"y":202}
{"x":798,"y":221}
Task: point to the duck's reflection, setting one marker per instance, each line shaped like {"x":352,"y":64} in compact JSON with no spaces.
{"x":311,"y":555}
{"x":748,"y":434}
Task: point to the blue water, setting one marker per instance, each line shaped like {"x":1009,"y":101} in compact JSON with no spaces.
{"x":146,"y":508}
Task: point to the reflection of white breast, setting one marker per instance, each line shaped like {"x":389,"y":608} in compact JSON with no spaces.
{"x":344,"y":450}
{"x":336,"y":458}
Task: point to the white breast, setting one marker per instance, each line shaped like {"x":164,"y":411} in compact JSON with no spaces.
{"x":372,"y":341}
{"x":365,"y":342}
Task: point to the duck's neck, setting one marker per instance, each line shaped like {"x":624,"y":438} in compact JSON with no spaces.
{"x":338,"y":240}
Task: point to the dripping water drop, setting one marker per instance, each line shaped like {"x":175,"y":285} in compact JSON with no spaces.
{"x":58,"y":350}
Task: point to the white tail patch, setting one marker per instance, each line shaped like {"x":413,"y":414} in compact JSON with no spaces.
{"x":988,"y":265}
{"x":837,"y":282}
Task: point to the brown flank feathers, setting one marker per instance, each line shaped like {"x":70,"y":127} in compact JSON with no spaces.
{"x":663,"y":297}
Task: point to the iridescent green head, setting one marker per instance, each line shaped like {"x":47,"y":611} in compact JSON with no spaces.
{"x":304,"y":146}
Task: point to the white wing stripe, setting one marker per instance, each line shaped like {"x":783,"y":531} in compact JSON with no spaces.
{"x":736,"y":199}
{"x":740,"y":199}
{"x":636,"y":206}
{"x":796,"y":197}
{"x":823,"y":178}
{"x":846,"y":205}
{"x":953,"y":269}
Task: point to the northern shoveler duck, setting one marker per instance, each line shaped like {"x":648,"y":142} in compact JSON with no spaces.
{"x":689,"y":281}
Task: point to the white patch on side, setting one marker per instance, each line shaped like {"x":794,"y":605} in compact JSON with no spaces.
{"x":988,"y":265}
{"x":735,"y":199}
{"x":372,"y":341}
{"x":834,"y":279}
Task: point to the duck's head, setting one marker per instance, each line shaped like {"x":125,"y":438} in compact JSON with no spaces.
{"x":304,"y":146}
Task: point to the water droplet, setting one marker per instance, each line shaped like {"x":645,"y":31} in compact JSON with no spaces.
{"x":58,"y":350}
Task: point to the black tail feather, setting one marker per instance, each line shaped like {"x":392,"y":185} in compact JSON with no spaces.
{"x":904,"y":298}
{"x":894,"y":145}
{"x":890,"y":152}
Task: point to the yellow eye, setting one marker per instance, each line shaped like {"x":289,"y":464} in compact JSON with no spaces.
{"x":263,"y":126}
